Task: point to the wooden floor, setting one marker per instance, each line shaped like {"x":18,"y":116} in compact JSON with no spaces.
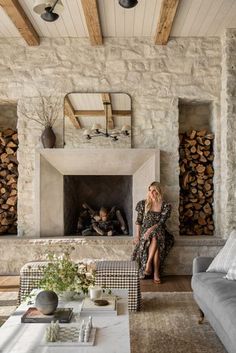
{"x":9,"y":283}
{"x":169,"y":284}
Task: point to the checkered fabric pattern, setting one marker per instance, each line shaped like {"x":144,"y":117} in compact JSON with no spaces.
{"x":30,"y":276}
{"x":109,"y":274}
{"x":122,"y":275}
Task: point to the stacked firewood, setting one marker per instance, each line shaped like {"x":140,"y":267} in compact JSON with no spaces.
{"x":196,"y":183}
{"x":8,"y":181}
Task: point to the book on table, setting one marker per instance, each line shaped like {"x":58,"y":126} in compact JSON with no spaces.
{"x":33,"y":315}
{"x":89,"y":307}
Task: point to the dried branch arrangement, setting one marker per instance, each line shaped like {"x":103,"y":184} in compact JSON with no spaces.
{"x":45,"y":112}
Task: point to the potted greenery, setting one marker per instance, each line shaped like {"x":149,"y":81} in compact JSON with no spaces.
{"x":65,"y":277}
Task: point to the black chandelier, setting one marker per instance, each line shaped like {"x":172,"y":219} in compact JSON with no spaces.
{"x":128,"y":4}
{"x":98,"y":131}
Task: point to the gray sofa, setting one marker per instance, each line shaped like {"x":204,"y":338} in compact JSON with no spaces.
{"x":216,"y":298}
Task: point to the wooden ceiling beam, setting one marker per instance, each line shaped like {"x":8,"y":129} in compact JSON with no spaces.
{"x":121,"y":112}
{"x":70,"y":113}
{"x":106,"y":98}
{"x":101,"y":112}
{"x":88,"y":113}
{"x":92,"y":18}
{"x":18,"y":16}
{"x":166,"y":20}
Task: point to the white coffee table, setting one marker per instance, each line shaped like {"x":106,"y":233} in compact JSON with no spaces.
{"x":112,"y":335}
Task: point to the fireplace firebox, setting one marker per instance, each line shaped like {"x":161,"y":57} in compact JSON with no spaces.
{"x":97,"y":191}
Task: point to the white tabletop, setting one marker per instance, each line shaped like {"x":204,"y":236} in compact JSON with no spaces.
{"x":112,"y":334}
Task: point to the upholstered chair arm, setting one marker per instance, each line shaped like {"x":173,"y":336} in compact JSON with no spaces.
{"x":201,"y":263}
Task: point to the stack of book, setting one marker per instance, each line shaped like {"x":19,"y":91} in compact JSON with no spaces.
{"x":33,"y":315}
{"x":89,"y":307}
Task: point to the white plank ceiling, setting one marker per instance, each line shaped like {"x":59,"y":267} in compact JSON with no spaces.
{"x":194,"y":18}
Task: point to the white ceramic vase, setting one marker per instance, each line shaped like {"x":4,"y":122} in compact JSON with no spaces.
{"x":95,"y":292}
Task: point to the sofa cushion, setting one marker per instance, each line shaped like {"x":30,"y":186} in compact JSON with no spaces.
{"x":226,"y":256}
{"x":231,"y":274}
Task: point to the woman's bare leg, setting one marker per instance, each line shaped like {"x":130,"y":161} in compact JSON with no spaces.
{"x":156,"y":262}
{"x":151,"y":252}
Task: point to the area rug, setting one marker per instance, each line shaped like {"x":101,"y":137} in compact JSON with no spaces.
{"x":168,"y":323}
{"x":8,"y":302}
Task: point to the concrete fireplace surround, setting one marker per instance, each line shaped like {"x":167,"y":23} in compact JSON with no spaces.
{"x":52,"y":164}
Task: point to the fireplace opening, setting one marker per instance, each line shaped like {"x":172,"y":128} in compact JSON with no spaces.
{"x":196,"y":156}
{"x":98,"y":203}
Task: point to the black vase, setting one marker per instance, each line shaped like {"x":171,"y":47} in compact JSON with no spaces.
{"x":48,"y":137}
{"x":46,"y":302}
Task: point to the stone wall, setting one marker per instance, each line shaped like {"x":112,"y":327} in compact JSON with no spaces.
{"x":228,"y":131}
{"x":156,"y":77}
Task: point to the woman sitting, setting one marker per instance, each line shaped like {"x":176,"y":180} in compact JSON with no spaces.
{"x":152,"y":240}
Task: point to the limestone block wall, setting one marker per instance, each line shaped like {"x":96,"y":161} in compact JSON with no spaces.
{"x":228,"y":130}
{"x":154,"y":76}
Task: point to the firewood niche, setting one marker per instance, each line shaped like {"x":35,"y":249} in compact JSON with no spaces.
{"x":196,"y":182}
{"x":8,"y":181}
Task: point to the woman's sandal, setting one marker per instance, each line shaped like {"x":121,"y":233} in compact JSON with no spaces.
{"x":147,"y":273}
{"x":157,"y":281}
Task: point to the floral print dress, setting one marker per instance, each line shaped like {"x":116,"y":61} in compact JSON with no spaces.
{"x":165,"y":240}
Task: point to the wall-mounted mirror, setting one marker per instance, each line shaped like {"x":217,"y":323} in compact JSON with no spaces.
{"x":97,"y":120}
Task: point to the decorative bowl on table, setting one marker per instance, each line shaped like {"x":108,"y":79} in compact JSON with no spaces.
{"x":101,"y":302}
